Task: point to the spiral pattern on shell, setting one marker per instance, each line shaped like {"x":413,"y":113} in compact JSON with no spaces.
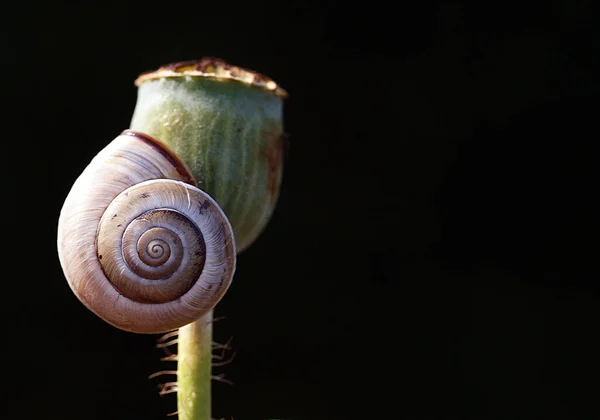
{"x":140,"y":245}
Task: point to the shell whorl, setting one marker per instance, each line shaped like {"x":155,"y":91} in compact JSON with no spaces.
{"x":139,"y":244}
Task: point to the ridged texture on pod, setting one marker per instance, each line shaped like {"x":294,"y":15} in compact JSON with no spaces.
{"x":226,"y":123}
{"x":139,"y":244}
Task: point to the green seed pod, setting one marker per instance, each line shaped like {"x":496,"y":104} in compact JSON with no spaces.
{"x":226,"y":125}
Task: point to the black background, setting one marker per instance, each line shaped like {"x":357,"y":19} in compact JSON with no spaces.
{"x":433,"y":254}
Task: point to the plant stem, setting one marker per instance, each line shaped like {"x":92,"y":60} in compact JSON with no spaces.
{"x":194,"y":369}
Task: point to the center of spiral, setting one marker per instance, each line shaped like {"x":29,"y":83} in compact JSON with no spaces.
{"x":154,"y":246}
{"x":157,"y":248}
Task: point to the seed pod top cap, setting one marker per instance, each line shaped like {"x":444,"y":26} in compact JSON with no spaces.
{"x":213,"y":68}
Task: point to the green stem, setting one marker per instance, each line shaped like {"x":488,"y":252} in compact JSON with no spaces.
{"x":194,"y":369}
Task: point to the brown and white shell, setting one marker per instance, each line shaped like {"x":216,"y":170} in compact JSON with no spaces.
{"x":139,"y":244}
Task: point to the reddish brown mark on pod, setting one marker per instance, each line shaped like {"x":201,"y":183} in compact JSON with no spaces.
{"x":273,"y":153}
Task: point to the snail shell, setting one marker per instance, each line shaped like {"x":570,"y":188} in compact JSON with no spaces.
{"x":139,"y":244}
